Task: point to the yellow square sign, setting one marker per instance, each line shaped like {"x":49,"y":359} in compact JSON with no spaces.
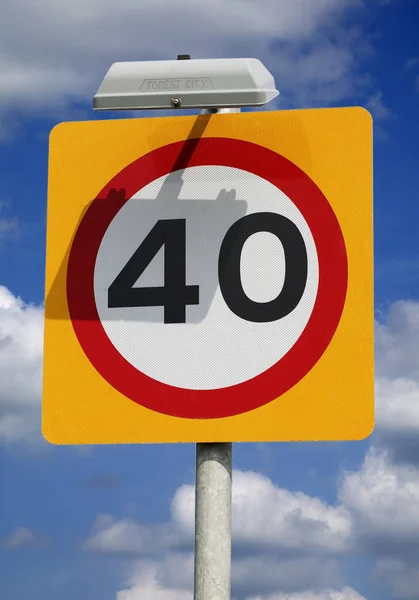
{"x":210,"y":279}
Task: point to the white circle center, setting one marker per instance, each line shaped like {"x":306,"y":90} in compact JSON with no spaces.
{"x":214,"y":348}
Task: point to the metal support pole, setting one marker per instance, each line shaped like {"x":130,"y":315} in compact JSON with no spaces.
{"x":212,"y":576}
{"x":218,"y":111}
{"x":212,"y":570}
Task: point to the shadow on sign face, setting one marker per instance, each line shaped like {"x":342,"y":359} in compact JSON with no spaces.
{"x":206,"y":222}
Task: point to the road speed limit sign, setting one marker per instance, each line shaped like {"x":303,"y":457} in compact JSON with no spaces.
{"x":210,"y":279}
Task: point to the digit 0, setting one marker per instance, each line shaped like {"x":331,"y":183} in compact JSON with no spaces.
{"x":229,"y":273}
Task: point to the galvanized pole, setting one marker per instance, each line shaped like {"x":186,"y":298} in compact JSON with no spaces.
{"x":212,"y":576}
{"x":212,"y":569}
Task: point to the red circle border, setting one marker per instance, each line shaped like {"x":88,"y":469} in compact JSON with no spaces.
{"x":293,"y":366}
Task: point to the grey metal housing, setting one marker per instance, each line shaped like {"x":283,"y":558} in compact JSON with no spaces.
{"x":200,"y":83}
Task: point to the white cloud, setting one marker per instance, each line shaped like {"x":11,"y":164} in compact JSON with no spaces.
{"x":265,"y":518}
{"x":22,"y":537}
{"x":125,"y":537}
{"x":412,"y":62}
{"x":410,"y":65}
{"x":267,"y":574}
{"x":398,"y":404}
{"x":145,"y":586}
{"x":397,"y":342}
{"x":21,"y":345}
{"x":377,"y":108}
{"x":346,"y":593}
{"x":383,"y":498}
{"x":397,"y":382}
{"x":152,"y":581}
{"x":65,"y":56}
{"x":401,"y":578}
{"x":281,"y":540}
{"x":291,"y":520}
{"x":172,"y":579}
{"x":9,"y":227}
{"x":378,"y":516}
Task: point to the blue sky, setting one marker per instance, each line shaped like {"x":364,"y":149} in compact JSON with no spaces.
{"x":343,"y":517}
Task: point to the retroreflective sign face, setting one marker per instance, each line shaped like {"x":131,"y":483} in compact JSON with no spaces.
{"x":209,"y":278}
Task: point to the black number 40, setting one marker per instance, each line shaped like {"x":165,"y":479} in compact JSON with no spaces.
{"x":175,"y":295}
